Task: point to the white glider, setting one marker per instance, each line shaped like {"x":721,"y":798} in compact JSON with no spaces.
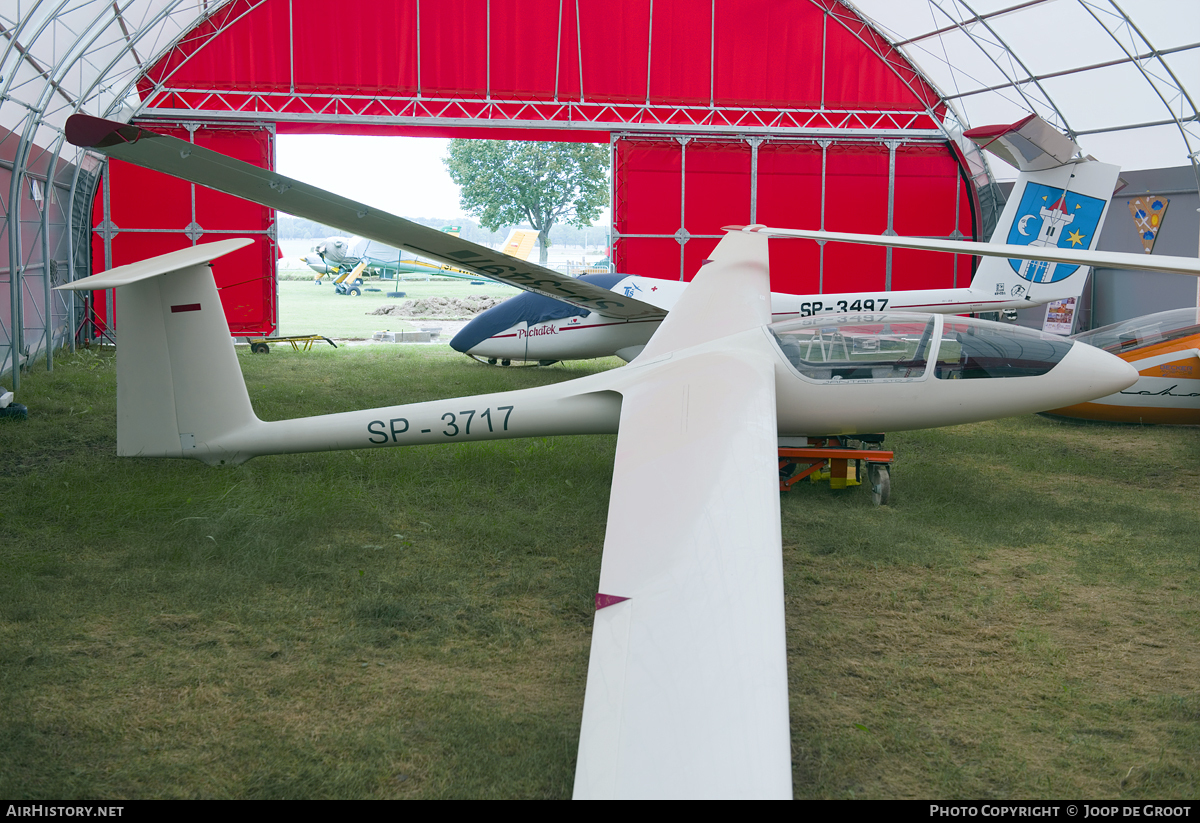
{"x":687,"y":682}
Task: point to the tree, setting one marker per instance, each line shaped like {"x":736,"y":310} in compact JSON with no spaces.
{"x":507,"y":182}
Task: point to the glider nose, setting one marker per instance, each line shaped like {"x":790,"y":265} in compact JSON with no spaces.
{"x":1097,"y":373}
{"x":474,"y":333}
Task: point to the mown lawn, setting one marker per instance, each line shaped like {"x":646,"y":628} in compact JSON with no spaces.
{"x":1022,"y":621}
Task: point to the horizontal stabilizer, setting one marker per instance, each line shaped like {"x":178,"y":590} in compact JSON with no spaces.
{"x":1031,"y":144}
{"x":145,"y":269}
{"x":179,"y":385}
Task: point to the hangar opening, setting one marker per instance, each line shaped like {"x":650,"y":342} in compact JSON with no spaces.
{"x":701,"y":137}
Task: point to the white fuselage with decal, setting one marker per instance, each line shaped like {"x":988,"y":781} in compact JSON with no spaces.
{"x":594,"y":335}
{"x":1060,"y":207}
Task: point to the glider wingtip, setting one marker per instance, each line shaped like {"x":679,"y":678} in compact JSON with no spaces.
{"x":90,"y":132}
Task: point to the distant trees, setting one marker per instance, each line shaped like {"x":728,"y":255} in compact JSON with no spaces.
{"x":508,"y":182}
{"x":297,"y":228}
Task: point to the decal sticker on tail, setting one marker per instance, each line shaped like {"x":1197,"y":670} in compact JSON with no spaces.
{"x":1049,"y":216}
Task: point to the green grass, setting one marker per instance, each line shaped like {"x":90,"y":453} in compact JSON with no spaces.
{"x":1023,"y":621}
{"x":305,"y":308}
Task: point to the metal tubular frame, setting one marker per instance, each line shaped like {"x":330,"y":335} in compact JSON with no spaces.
{"x":1113,"y":19}
{"x":42,"y":117}
{"x":682,"y":235}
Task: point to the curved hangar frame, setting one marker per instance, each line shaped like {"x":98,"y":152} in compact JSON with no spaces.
{"x":865,"y":132}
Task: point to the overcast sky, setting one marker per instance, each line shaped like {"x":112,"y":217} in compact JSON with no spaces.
{"x":402,"y":175}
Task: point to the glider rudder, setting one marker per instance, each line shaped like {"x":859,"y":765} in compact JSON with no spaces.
{"x":179,"y":385}
{"x":1059,"y":200}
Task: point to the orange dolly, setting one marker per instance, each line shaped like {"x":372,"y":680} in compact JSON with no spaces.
{"x":832,"y":457}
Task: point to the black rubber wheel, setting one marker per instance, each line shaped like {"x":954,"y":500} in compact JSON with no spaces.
{"x":354,"y":291}
{"x":260,"y":348}
{"x":14,"y":411}
{"x":881,"y":483}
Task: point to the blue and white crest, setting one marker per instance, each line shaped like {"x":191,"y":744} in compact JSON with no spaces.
{"x":1047,"y":216}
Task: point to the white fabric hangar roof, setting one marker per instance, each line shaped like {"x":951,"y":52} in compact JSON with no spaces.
{"x":1120,"y":78}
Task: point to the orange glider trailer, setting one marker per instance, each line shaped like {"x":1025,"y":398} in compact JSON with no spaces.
{"x":1165,"y":349}
{"x":838,"y":460}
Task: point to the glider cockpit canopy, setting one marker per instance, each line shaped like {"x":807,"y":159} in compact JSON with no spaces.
{"x":1142,"y":331}
{"x":898,"y":346}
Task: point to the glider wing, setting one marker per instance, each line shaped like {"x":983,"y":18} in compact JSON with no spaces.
{"x":1082,"y":257}
{"x":687,"y":682}
{"x":196,"y":164}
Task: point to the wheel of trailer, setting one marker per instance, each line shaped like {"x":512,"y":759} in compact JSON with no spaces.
{"x":260,"y":348}
{"x":505,"y":362}
{"x":354,"y":291}
{"x":491,"y":361}
{"x":880,"y":476}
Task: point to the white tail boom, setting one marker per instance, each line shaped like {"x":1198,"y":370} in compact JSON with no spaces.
{"x":180,"y":390}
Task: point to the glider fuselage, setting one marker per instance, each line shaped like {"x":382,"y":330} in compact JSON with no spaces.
{"x":1164,"y":348}
{"x":549,"y":330}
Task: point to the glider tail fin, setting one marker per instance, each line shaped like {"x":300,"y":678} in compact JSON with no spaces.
{"x":1058,"y":201}
{"x":179,"y":385}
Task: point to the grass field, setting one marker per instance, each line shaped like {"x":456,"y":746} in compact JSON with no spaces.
{"x":305,"y":308}
{"x":1022,"y":622}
